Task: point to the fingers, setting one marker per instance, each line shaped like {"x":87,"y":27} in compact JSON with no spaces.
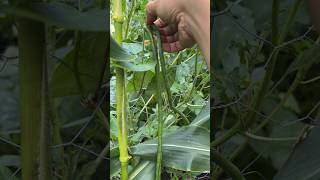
{"x":165,"y":28}
{"x":170,"y":39}
{"x":172,"y":47}
{"x":169,"y":30}
{"x":160,"y":24}
{"x":151,"y":12}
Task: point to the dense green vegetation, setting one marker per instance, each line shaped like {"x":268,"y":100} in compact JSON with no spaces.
{"x":55,"y":82}
{"x":265,"y":91}
{"x":53,"y":118}
{"x":173,"y":95}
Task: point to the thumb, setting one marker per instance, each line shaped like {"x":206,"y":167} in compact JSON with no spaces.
{"x":151,"y":12}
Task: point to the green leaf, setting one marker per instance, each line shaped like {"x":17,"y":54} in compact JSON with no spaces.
{"x":10,"y":160}
{"x":5,"y":173}
{"x":113,"y":125}
{"x":135,"y":67}
{"x":202,"y":118}
{"x":304,"y":161}
{"x":133,"y":48}
{"x":277,"y":151}
{"x":88,"y":169}
{"x":185,"y":149}
{"x":114,"y":166}
{"x":118,"y":53}
{"x":140,"y":80}
{"x":306,"y":58}
{"x":291,"y":103}
{"x":61,"y":14}
{"x":114,"y":161}
{"x":152,"y":86}
{"x":91,"y":61}
{"x":144,"y":170}
{"x":224,"y":25}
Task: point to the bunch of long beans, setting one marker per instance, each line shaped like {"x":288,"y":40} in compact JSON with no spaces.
{"x":158,"y":56}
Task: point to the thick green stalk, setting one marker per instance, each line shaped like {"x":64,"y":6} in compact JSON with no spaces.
{"x":121,"y":122}
{"x":31,"y":35}
{"x":46,"y":118}
{"x":121,"y":94}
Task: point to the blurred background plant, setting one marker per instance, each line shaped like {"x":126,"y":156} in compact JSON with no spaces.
{"x":76,"y":42}
{"x":265,"y":90}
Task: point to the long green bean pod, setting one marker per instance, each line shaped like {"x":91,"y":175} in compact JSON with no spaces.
{"x":161,"y":78}
{"x":159,"y":102}
{"x":164,"y":77}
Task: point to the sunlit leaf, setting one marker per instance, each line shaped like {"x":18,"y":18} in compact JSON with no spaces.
{"x":144,"y":170}
{"x":117,"y":52}
{"x":185,"y":149}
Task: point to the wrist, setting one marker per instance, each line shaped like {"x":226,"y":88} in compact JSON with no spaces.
{"x":198,"y":23}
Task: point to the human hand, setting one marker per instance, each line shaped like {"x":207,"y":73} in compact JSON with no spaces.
{"x":175,"y":35}
{"x":181,"y":24}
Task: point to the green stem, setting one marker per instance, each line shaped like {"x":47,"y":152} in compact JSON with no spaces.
{"x":98,"y":161}
{"x":46,"y":119}
{"x":78,"y":36}
{"x":157,"y":43}
{"x":261,"y":138}
{"x":269,"y":70}
{"x":226,"y":165}
{"x":293,"y":86}
{"x":276,"y":40}
{"x":217,"y":173}
{"x":290,"y":20}
{"x":226,"y":136}
{"x":129,"y":18}
{"x":310,"y":80}
{"x":121,"y":122}
{"x":160,"y":125}
{"x":159,"y":101}
{"x":31,"y":35}
{"x":56,"y":139}
{"x":103,"y":118}
{"x":121,"y":94}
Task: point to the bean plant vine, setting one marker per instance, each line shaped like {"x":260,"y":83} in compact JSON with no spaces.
{"x":258,"y":89}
